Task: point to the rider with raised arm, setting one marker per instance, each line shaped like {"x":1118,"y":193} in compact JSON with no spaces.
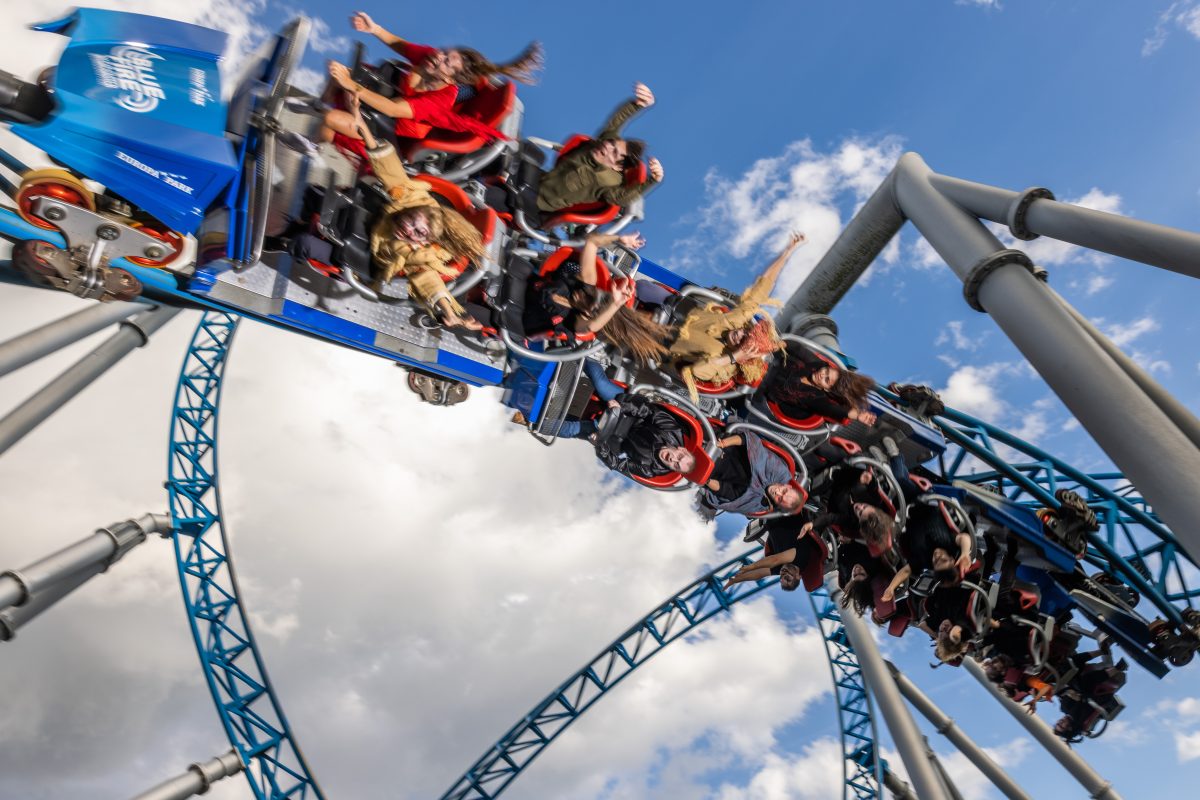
{"x":415,"y":237}
{"x":426,"y":93}
{"x":715,"y":345}
{"x":595,"y":172}
{"x":748,"y":478}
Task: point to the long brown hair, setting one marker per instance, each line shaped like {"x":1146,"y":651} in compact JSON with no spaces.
{"x":640,"y":337}
{"x":852,"y":387}
{"x":476,"y":66}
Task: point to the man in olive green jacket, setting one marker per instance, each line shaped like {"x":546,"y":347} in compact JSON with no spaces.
{"x":595,"y":171}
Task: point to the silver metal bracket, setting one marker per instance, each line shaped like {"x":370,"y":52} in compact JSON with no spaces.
{"x":1020,"y":207}
{"x":100,"y":238}
{"x":986,"y":266}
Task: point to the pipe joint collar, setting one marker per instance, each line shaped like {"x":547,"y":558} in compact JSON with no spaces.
{"x":989,"y":264}
{"x":1020,"y":208}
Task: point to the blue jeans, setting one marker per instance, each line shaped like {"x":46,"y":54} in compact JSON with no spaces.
{"x":606,"y":389}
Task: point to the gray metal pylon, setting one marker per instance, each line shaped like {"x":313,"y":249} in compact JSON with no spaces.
{"x":1130,"y":427}
{"x":1096,"y":786}
{"x":45,"y":339}
{"x":1175,"y":410}
{"x":1035,"y":212}
{"x":949,"y":728}
{"x":133,"y":333}
{"x":196,"y":780}
{"x":905,"y":734}
{"x":896,"y":785}
{"x":95,"y":554}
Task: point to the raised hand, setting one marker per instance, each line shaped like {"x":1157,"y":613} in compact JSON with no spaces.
{"x":642,"y":95}
{"x":656,"y":169}
{"x":340,"y":74}
{"x":362,"y":22}
{"x":633,"y":241}
{"x":796,"y":239}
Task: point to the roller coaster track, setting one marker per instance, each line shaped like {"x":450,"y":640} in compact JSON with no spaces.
{"x":1132,"y":543}
{"x":232,"y":664}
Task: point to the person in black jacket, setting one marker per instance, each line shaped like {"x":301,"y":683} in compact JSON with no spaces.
{"x":805,"y":383}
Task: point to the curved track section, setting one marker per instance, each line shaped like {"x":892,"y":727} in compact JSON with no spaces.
{"x":677,"y":616}
{"x":232,"y":664}
{"x":1132,"y":544}
{"x":862,"y":770}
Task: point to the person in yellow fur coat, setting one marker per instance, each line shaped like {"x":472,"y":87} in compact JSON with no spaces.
{"x":714,"y":345}
{"x":416,"y":237}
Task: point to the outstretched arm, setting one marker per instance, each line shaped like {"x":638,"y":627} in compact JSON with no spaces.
{"x":642,"y":98}
{"x":622,"y":291}
{"x":362,"y":22}
{"x":591,"y":248}
{"x":748,"y":575}
{"x":764,"y":284}
{"x":395,"y":108}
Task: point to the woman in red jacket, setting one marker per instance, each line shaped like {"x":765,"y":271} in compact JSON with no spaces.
{"x":425,"y":95}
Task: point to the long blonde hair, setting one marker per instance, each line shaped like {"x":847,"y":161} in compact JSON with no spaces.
{"x":636,"y":334}
{"x":449,"y":229}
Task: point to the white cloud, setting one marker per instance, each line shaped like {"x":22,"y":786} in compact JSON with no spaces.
{"x":814,"y":774}
{"x":973,"y":390}
{"x":1123,"y":334}
{"x":803,"y":188}
{"x":1187,"y":746}
{"x":953,"y":334}
{"x":1181,"y":14}
{"x":1097,"y":283}
{"x":989,"y":4}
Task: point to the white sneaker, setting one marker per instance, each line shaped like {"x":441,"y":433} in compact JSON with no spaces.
{"x":306,"y":105}
{"x":298,"y":142}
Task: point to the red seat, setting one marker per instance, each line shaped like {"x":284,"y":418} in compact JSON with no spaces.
{"x":591,"y":213}
{"x":490,"y":105}
{"x":693,"y":441}
{"x":805,"y":424}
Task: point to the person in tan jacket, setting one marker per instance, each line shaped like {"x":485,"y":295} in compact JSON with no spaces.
{"x":715,"y":345}
{"x":416,"y":237}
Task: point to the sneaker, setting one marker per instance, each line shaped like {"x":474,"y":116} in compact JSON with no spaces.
{"x":306,"y":105}
{"x":298,"y":142}
{"x":890,"y":447}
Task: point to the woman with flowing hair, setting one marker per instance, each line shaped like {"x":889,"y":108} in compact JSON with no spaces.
{"x":806,"y":383}
{"x":716,"y":345}
{"x":570,"y":299}
{"x":427,"y":92}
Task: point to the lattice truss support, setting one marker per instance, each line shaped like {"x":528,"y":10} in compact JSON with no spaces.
{"x":675,"y":618}
{"x":249,"y":710}
{"x":1132,"y":544}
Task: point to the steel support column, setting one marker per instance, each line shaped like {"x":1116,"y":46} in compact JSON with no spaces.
{"x":99,"y":551}
{"x":948,"y":728}
{"x":905,"y":734}
{"x":1157,"y":245}
{"x":863,"y":238}
{"x":133,"y":334}
{"x":1080,"y":770}
{"x":1135,"y":433}
{"x":197,"y":779}
{"x":1175,"y":410}
{"x":41,"y":341}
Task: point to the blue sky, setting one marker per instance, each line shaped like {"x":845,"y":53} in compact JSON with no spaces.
{"x":808,"y":103}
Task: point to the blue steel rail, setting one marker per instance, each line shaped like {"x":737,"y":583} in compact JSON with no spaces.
{"x":862,"y":769}
{"x":1132,"y":543}
{"x":678,"y":616}
{"x":233,"y":667}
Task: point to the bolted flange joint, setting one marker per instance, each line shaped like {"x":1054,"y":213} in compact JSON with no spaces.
{"x":1020,"y":208}
{"x":989,"y":264}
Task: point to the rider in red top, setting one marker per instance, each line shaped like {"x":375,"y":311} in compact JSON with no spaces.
{"x":426,"y":93}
